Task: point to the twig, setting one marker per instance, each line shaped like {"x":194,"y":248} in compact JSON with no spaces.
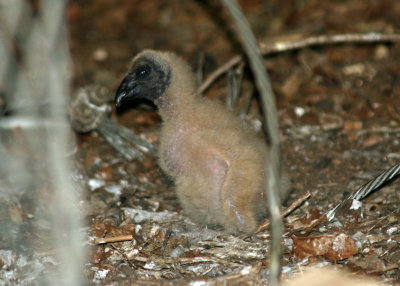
{"x":183,"y":260}
{"x":286,"y":46}
{"x":387,"y":268}
{"x":26,"y":122}
{"x":295,"y":204}
{"x":123,"y":255}
{"x":218,"y":72}
{"x":328,"y":40}
{"x":121,"y":138}
{"x":272,"y":127}
{"x":119,"y":238}
{"x":287,"y":211}
{"x":247,"y":103}
{"x":234,"y":85}
{"x":165,"y":242}
{"x":383,"y":129}
{"x":116,"y":141}
{"x":248,"y":275}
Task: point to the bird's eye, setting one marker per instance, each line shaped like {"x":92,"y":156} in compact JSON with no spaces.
{"x":143,"y":71}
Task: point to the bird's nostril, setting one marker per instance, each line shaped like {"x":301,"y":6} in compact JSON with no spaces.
{"x":120,"y":98}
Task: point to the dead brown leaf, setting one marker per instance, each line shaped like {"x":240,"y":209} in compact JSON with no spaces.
{"x":334,"y":247}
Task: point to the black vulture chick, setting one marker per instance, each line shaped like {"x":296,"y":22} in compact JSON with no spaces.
{"x":216,"y":161}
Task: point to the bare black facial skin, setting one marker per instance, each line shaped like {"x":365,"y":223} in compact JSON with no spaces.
{"x":147,"y":79}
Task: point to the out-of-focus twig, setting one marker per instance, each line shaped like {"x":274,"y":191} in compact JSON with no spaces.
{"x":286,"y":46}
{"x":90,"y":109}
{"x":110,"y":133}
{"x":234,"y":85}
{"x":130,"y":137}
{"x":268,"y":104}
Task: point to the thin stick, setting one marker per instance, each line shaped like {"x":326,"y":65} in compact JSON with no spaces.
{"x":119,"y":238}
{"x":286,"y":46}
{"x":272,"y":167}
{"x":185,"y":260}
{"x":123,"y":254}
{"x":249,"y":274}
{"x":165,"y":242}
{"x":287,"y":211}
{"x":218,"y":72}
{"x":328,"y":40}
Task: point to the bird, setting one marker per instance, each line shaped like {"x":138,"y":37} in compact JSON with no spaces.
{"x":216,"y":161}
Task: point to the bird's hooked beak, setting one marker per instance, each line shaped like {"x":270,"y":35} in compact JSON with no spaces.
{"x":148,"y":79}
{"x":125,"y":91}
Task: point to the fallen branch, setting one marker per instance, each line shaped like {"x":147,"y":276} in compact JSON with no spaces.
{"x":356,"y":38}
{"x":286,"y":46}
{"x":263,"y":84}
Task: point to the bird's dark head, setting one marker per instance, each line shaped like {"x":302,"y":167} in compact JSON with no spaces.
{"x":148,"y":78}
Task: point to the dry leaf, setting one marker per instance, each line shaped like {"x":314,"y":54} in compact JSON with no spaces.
{"x":333,"y":247}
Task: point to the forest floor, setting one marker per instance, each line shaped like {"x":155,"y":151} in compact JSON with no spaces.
{"x":339,"y":114}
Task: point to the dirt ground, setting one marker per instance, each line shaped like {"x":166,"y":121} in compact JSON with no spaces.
{"x":339,"y":114}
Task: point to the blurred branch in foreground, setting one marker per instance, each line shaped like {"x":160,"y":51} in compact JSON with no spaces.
{"x":34,"y":81}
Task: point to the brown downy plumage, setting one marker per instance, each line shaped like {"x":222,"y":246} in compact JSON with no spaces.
{"x":216,"y":161}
